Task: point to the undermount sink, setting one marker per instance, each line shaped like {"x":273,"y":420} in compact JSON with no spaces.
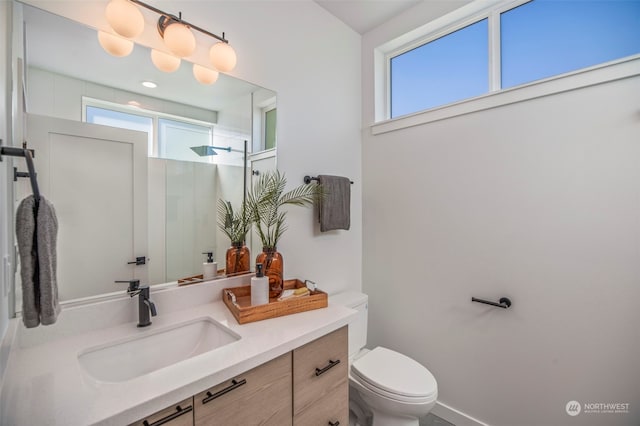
{"x":138,"y":355}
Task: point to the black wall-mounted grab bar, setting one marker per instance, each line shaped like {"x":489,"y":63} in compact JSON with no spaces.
{"x":308,"y":179}
{"x":504,"y":302}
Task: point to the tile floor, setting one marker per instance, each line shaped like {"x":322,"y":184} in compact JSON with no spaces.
{"x":433,"y":420}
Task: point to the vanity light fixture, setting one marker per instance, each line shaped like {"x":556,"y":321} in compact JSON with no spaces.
{"x":127,"y":20}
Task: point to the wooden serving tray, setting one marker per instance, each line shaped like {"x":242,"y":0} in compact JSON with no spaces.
{"x":190,"y":280}
{"x":199,"y":278}
{"x":244,"y":312}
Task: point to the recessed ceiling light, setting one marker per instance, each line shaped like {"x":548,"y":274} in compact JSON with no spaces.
{"x":149,"y":84}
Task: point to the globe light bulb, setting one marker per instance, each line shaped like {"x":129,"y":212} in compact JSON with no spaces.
{"x":204,"y":75}
{"x":223,"y":57}
{"x":164,"y":61}
{"x":179,"y":39}
{"x":125,"y":18}
{"x":115,"y":45}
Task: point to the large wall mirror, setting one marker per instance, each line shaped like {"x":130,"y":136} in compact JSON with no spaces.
{"x":125,"y":164}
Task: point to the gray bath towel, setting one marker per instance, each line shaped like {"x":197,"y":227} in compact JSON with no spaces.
{"x":335,"y":207}
{"x":37,"y":246}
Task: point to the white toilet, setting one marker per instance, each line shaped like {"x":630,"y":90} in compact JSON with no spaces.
{"x":386,"y":388}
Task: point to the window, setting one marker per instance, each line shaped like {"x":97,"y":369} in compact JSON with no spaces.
{"x":169,"y":136}
{"x":270,"y":128}
{"x":537,"y":39}
{"x":445,"y":70}
{"x":544,"y":38}
{"x":175,"y":139}
{"x":123,"y":120}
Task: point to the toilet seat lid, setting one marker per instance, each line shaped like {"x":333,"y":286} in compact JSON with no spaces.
{"x":394,"y":372}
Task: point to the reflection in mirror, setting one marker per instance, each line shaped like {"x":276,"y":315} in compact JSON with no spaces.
{"x":123,"y":163}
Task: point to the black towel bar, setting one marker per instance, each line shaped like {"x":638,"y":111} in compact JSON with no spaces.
{"x":308,"y":179}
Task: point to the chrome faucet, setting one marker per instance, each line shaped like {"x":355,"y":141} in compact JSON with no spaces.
{"x":145,"y":304}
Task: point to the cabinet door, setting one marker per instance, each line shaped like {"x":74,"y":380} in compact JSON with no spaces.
{"x":320,"y":373}
{"x":331,"y":410}
{"x":261,"y":396}
{"x":180,"y":414}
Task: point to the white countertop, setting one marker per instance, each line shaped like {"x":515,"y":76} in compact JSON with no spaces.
{"x":45,"y":385}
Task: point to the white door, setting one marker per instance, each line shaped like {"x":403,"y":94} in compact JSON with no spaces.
{"x":96,"y":178}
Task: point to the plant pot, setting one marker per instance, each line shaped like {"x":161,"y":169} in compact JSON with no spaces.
{"x":238,"y":259}
{"x":273,"y":267}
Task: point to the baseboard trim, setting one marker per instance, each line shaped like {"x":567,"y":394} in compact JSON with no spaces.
{"x":454,"y":416}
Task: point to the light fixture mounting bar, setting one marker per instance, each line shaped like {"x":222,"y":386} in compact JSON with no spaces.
{"x":170,"y":17}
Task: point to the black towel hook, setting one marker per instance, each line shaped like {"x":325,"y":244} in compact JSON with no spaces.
{"x":504,"y":302}
{"x":28,"y":155}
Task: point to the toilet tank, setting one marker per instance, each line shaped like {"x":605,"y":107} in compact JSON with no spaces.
{"x":358,"y":326}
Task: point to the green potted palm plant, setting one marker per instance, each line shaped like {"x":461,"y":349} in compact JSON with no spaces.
{"x":235,"y":225}
{"x":265,"y":202}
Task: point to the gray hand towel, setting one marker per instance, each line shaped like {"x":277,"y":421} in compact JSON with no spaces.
{"x":37,"y":246}
{"x":335,"y":206}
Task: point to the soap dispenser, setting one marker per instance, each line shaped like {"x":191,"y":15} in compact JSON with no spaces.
{"x":209,"y":268}
{"x":259,"y":287}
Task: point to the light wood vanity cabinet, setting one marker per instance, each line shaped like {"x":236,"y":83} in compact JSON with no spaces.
{"x":261,"y":396}
{"x":306,"y":387}
{"x":180,"y":414}
{"x":321,"y":382}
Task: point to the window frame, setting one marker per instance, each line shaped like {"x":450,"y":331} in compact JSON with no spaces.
{"x":496,"y":96}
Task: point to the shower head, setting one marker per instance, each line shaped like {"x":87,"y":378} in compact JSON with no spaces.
{"x":206,"y":150}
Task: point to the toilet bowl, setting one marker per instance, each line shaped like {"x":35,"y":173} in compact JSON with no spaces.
{"x":386,"y":388}
{"x":395,"y":389}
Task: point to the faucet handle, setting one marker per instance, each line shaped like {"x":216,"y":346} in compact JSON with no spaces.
{"x":133,"y":285}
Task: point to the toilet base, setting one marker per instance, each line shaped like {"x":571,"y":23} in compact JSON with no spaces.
{"x":359,"y":415}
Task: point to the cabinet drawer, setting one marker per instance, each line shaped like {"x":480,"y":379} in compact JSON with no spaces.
{"x":332,"y":409}
{"x":261,"y":396}
{"x":180,"y":414}
{"x":319,"y":369}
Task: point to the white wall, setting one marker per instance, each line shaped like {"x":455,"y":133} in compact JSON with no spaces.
{"x":312,"y":60}
{"x":537,"y":201}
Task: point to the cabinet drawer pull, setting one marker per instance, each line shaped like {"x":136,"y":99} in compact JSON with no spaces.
{"x":337,"y":423}
{"x":179,"y":411}
{"x":329,"y":366}
{"x":234,"y":385}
